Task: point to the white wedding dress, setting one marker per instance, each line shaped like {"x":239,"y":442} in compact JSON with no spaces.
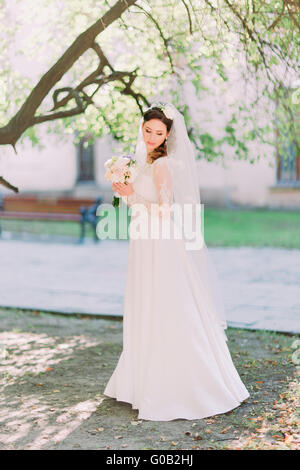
{"x":175,"y":361}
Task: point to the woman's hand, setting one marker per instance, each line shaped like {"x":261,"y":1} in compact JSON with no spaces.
{"x":123,"y":189}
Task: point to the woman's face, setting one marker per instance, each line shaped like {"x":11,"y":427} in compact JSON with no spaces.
{"x":154,"y":133}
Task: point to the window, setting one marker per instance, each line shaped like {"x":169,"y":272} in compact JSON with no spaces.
{"x":288,"y":157}
{"x":288,"y":165}
{"x":85,"y":158}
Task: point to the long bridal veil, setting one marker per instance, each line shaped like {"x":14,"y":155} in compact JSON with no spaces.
{"x":186,"y":194}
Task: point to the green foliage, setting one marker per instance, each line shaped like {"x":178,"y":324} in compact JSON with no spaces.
{"x":211,"y":148}
{"x":157,"y":42}
{"x":32,"y":134}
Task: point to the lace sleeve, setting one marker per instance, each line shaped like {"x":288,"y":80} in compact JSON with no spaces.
{"x":163,"y":184}
{"x":163,"y":181}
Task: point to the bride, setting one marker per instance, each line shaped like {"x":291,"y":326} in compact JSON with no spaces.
{"x":175,"y":361}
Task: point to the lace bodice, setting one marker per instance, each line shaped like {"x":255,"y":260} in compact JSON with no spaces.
{"x":153,"y":187}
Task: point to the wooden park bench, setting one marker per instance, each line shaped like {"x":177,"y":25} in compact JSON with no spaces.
{"x":61,"y":208}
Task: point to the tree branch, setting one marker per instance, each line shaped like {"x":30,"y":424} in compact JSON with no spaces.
{"x":189,"y":16}
{"x":8,"y":185}
{"x":25,"y":117}
{"x":161,"y":34}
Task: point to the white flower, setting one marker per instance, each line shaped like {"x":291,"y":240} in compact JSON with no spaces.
{"x":168,"y":112}
{"x":108,"y":163}
{"x":126,"y":160}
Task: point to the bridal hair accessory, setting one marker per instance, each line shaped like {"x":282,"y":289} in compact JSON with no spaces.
{"x":165,"y":108}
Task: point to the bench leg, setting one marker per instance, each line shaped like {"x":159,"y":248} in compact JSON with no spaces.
{"x":82,"y":232}
{"x":96,"y":239}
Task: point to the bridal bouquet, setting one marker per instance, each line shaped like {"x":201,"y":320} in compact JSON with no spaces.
{"x":120,"y":170}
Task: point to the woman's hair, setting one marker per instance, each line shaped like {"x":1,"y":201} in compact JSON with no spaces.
{"x":157,"y":113}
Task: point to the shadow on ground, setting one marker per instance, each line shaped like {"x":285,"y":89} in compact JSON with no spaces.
{"x":54,"y":370}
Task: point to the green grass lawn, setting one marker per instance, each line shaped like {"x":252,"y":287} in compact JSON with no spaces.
{"x":252,"y":228}
{"x":222,"y":227}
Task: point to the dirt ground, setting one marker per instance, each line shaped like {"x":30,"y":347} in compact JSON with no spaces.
{"x":54,"y":369}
